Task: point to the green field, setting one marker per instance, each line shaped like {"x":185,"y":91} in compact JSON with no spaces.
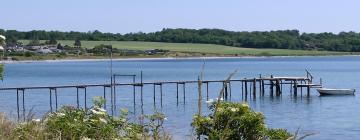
{"x":198,"y":48}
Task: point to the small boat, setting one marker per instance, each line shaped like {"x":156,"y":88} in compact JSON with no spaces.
{"x":328,"y":91}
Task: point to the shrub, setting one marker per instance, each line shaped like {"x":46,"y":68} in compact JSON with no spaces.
{"x":95,"y":123}
{"x":235,"y":121}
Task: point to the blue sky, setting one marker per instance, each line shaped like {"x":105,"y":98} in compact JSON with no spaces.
{"x":123,"y":16}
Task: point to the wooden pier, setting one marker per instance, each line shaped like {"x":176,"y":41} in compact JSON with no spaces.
{"x":250,"y":88}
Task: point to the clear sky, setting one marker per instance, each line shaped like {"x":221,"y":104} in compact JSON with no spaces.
{"x":123,"y":16}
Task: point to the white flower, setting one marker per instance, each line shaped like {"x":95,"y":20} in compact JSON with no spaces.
{"x":103,"y":120}
{"x":210,"y":101}
{"x":85,"y":138}
{"x":60,"y":114}
{"x":94,"y":110}
{"x":234,"y":109}
{"x":221,"y":99}
{"x":102,"y":110}
{"x":245,"y":105}
{"x":165,"y":119}
{"x":36,"y":120}
{"x":2,"y":37}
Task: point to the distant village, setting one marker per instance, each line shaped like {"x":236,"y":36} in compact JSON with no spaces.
{"x":60,"y":49}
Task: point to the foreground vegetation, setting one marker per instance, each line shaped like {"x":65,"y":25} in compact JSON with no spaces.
{"x":282,"y":39}
{"x":94,"y":123}
{"x":230,"y":121}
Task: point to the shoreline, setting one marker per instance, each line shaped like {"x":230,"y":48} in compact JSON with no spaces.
{"x":164,"y":58}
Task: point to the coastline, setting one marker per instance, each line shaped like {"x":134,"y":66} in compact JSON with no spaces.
{"x":163,"y":58}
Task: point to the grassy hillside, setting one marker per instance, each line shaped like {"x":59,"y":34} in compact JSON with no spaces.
{"x":198,"y":48}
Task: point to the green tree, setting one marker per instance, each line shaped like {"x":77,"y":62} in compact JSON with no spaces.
{"x":52,"y":41}
{"x":77,"y":43}
{"x":2,"y":40}
{"x":34,"y":42}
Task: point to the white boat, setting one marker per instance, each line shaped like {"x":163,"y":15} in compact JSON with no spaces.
{"x":328,"y":91}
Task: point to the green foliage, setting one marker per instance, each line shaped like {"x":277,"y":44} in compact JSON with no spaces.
{"x":52,"y":41}
{"x":95,"y":123}
{"x":278,"y":134}
{"x":34,"y":42}
{"x":234,"y":121}
{"x":101,"y":49}
{"x":77,"y":42}
{"x":29,"y":54}
{"x":2,"y":67}
{"x":282,"y":39}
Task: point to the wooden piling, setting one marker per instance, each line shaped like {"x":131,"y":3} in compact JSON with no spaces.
{"x":85,"y":98}
{"x":161,"y":95}
{"x":142,"y":86}
{"x":17,"y":104}
{"x":104,"y":96}
{"x":154,"y":94}
{"x":177,"y":93}
{"x":246,"y":89}
{"x":254,"y":88}
{"x":271,"y":88}
{"x":51,"y":110}
{"x":207,"y":91}
{"x":295,"y":87}
{"x":77,"y":97}
{"x":242,"y":90}
{"x":56,"y":100}
{"x":184,"y":91}
{"x":225,"y":96}
{"x":230,"y":89}
{"x":262,"y":87}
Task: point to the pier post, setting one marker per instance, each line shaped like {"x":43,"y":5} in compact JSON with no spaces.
{"x":77,"y":97}
{"x":226,"y":91}
{"x":301,"y":89}
{"x":142,"y":86}
{"x":207,"y":91}
{"x":242,"y":90}
{"x":161,"y":95}
{"x":134,"y":96}
{"x":291,"y":86}
{"x":263,"y":87}
{"x":17,"y":104}
{"x":86,"y":97}
{"x":104,"y":96}
{"x":271,"y":88}
{"x":184,"y":91}
{"x":56,"y":100}
{"x":154,"y":94}
{"x":51,"y":110}
{"x":277,"y":85}
{"x":295,"y":87}
{"x":177,"y":93}
{"x":230,"y":89}
{"x":246,"y":90}
{"x":308,"y":91}
{"x":254,"y":88}
{"x":260,"y":85}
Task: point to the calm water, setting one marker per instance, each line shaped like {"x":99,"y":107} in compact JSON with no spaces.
{"x":330,"y":117}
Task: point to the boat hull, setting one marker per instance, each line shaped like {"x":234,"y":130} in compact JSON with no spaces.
{"x":323,"y":91}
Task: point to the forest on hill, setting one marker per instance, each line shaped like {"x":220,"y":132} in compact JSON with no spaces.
{"x":281,"y":39}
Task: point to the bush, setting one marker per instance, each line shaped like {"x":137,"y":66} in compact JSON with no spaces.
{"x":235,"y":121}
{"x":28,"y":54}
{"x":95,"y":123}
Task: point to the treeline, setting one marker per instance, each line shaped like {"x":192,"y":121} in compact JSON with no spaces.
{"x":282,"y":39}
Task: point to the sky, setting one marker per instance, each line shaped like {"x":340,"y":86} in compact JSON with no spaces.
{"x":124,"y":16}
